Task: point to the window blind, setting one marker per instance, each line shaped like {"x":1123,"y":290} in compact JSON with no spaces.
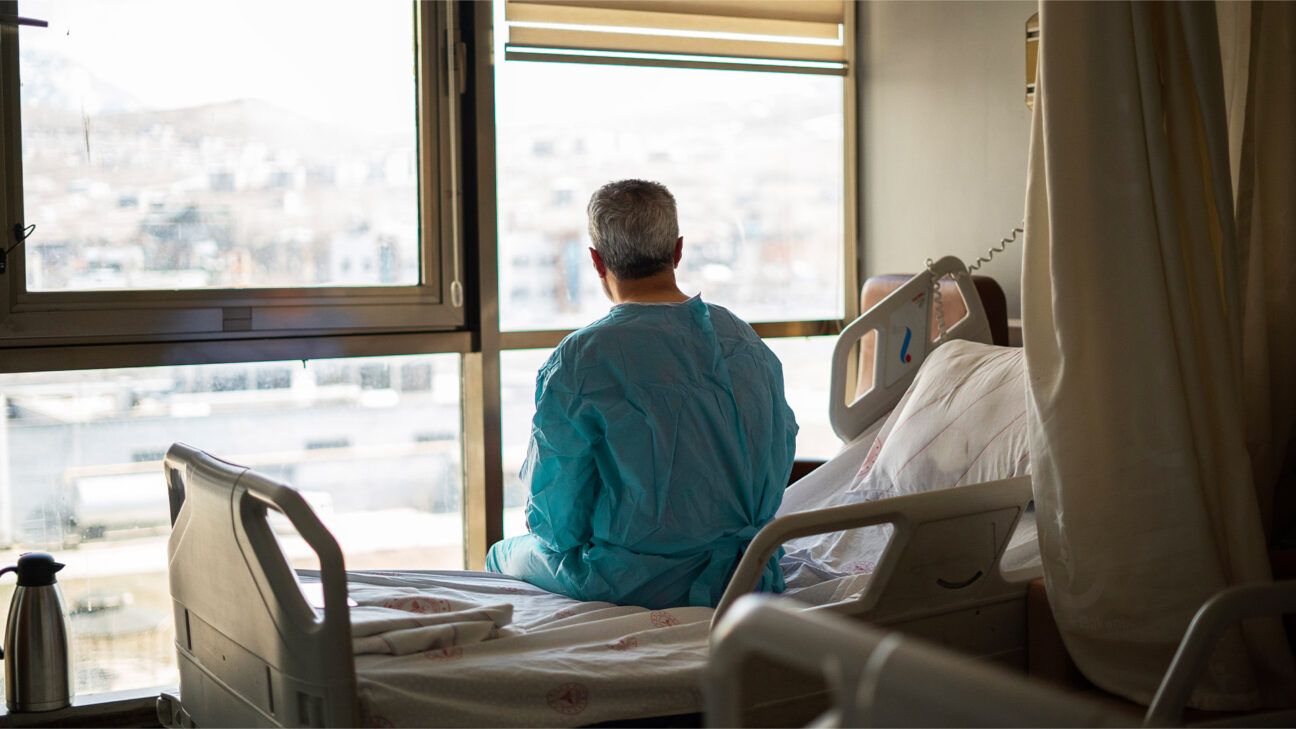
{"x":792,"y":35}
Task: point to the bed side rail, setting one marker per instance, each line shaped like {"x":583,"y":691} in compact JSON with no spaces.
{"x":914,"y":683}
{"x":879,"y":677}
{"x":901,"y":322}
{"x":1221,"y":612}
{"x":817,"y":643}
{"x":944,"y":553}
{"x":252,"y":651}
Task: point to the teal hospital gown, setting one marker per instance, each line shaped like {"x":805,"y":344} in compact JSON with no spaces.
{"x":661,"y":444}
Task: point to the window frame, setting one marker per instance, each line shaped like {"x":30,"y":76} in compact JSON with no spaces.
{"x":37,"y":318}
{"x":532,"y":339}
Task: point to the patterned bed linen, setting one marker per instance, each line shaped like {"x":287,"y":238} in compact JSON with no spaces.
{"x":561,"y":662}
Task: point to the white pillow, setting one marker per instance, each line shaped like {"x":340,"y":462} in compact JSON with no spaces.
{"x":962,"y":421}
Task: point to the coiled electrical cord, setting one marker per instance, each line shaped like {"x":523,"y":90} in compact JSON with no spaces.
{"x":995,"y":250}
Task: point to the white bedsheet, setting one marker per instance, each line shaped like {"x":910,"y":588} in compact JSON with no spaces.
{"x":804,"y":571}
{"x":384,"y":621}
{"x":560,"y":662}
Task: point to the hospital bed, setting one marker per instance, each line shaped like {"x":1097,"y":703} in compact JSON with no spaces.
{"x":254,"y":651}
{"x":886,"y":678}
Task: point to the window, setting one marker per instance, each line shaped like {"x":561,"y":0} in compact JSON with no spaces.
{"x":742,"y":110}
{"x":228,"y":178}
{"x":754,"y":150}
{"x":272,"y":191}
{"x":80,"y":476}
{"x":754,"y":159}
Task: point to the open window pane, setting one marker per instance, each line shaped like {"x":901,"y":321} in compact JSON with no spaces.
{"x":372,"y":443}
{"x":755,"y":161}
{"x":219,"y":145}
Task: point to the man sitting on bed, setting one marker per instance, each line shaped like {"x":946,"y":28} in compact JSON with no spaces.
{"x":661,"y":441}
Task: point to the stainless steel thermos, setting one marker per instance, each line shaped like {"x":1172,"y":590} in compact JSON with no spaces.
{"x":37,"y":670}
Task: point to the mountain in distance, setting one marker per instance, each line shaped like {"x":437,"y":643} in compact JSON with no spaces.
{"x":56,"y":82}
{"x":61,"y":93}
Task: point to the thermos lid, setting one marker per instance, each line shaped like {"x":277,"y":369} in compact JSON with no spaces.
{"x":36,"y":569}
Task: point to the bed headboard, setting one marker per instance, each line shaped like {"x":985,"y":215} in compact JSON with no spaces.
{"x":898,"y":325}
{"x":991,"y":294}
{"x":252,"y":651}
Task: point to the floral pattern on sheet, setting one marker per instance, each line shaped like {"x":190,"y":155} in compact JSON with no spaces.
{"x":869,"y":460}
{"x":418,"y":604}
{"x":627,"y":643}
{"x":662,"y":619}
{"x":570,"y":698}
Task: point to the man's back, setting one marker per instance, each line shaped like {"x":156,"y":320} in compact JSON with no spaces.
{"x":661,"y":444}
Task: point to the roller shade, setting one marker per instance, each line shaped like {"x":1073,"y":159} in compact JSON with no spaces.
{"x":793,"y":35}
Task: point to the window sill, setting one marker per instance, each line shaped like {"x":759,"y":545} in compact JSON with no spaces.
{"x":135,"y":708}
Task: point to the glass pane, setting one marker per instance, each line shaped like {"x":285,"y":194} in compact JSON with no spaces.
{"x":373,"y":444}
{"x":233,"y":144}
{"x":754,"y":160}
{"x":518,"y":370}
{"x":807,"y":373}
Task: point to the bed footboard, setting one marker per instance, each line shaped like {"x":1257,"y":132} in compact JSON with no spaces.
{"x":252,"y":651}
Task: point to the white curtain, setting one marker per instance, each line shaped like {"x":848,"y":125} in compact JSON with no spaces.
{"x":1132,"y":329}
{"x":1259,"y":49}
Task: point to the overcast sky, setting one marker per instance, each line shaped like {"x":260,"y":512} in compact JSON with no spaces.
{"x":307,"y":56}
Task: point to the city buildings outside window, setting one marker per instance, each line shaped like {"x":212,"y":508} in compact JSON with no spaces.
{"x":291,"y":162}
{"x":373,"y":444}
{"x":755,"y":161}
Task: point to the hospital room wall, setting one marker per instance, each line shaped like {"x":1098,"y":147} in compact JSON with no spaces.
{"x":944,"y":133}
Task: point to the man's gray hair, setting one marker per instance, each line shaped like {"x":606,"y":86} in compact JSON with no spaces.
{"x":634,"y":226}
